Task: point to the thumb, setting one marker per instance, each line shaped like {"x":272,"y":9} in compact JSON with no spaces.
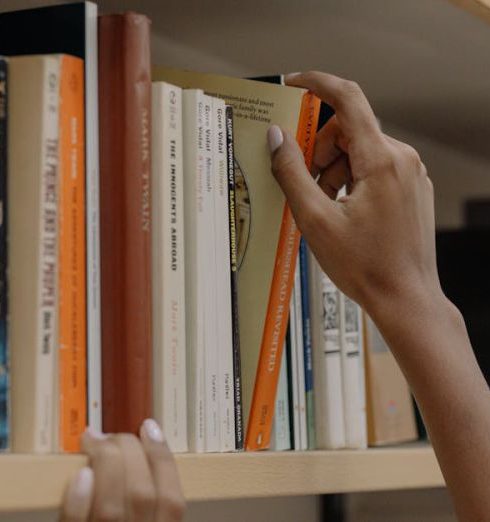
{"x":307,"y":201}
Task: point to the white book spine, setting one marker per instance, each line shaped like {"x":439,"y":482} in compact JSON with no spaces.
{"x":281,"y":435}
{"x":301,"y":358}
{"x":168,"y":288}
{"x":353,"y":373}
{"x":47,"y":323}
{"x":94,"y":365}
{"x":294,"y":375}
{"x":193,"y":121}
{"x":329,"y":414}
{"x":208,"y":257}
{"x":224,"y":332}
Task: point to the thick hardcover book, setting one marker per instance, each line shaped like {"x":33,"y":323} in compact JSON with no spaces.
{"x":224,"y":318}
{"x":33,"y":126}
{"x":325,"y":327}
{"x":307,"y":343}
{"x":195,"y":235}
{"x":4,"y":351}
{"x":268,"y":237}
{"x":353,"y":382}
{"x":125,"y":196}
{"x":72,"y":279}
{"x":72,"y":29}
{"x":237,"y":374}
{"x":390,"y":412}
{"x":168,"y":273}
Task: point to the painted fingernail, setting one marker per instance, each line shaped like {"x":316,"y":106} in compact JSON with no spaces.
{"x":152,"y":431}
{"x":274,"y":138}
{"x":291,"y":76}
{"x":95,"y":434}
{"x":84,"y":482}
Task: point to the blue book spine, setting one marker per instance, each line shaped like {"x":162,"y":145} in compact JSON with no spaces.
{"x":307,"y":343}
{"x":4,"y":370}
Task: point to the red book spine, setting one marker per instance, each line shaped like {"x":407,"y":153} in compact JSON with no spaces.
{"x":125,"y":109}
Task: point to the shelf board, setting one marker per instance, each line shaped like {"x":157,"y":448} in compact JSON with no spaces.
{"x":37,"y":482}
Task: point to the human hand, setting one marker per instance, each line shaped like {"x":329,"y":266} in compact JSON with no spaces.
{"x":130,"y":480}
{"x":377,"y":243}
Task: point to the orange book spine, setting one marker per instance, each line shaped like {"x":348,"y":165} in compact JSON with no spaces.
{"x":72,"y":298}
{"x":264,"y":395}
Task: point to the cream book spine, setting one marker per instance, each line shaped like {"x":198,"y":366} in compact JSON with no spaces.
{"x":33,"y":151}
{"x":193,"y":128}
{"x":168,"y":274}
{"x":325,"y":323}
{"x":224,"y":332}
{"x":208,"y":262}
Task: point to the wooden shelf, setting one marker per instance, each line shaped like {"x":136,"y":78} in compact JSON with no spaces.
{"x":37,"y":482}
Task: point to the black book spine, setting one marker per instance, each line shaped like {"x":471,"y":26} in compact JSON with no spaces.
{"x":4,"y":372}
{"x":237,"y":374}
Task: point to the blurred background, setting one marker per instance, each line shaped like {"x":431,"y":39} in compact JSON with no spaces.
{"x":425,"y":67}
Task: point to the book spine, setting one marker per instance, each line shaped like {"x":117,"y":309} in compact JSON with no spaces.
{"x":208,"y":256}
{"x":92,"y":219}
{"x":4,"y":349}
{"x":193,"y":108}
{"x":71,"y":276}
{"x":168,"y":276}
{"x":125,"y":195}
{"x":224,"y":319}
{"x":307,"y":343}
{"x":293,"y":361}
{"x":334,"y":437}
{"x":237,"y":374}
{"x":264,"y":394}
{"x":48,"y":258}
{"x":298,"y":317}
{"x":281,"y":436}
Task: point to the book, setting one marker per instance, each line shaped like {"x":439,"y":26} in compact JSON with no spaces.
{"x":300,"y":356}
{"x":4,"y":348}
{"x":207,"y":256}
{"x":390,"y":413}
{"x":71,"y":247}
{"x":33,"y":125}
{"x":224,"y":319}
{"x":260,"y":205}
{"x":72,"y":29}
{"x":168,"y":273}
{"x":307,"y":343}
{"x":293,"y":385}
{"x":125,"y":210}
{"x":194,"y":233}
{"x":237,"y":374}
{"x":352,"y":363}
{"x":281,"y":435}
{"x":325,"y":328}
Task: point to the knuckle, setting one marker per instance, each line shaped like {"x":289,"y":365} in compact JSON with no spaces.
{"x":282,"y":164}
{"x":350,"y":89}
{"x":410,"y":155}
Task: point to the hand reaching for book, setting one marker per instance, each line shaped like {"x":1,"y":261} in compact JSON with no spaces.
{"x":378,"y":241}
{"x":130,"y":480}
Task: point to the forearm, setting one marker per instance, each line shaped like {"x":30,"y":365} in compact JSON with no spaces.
{"x":428,"y":337}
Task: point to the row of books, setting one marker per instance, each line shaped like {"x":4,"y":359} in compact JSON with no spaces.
{"x":148,"y":260}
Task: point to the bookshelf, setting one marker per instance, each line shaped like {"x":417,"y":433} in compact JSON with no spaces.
{"x":37,"y":482}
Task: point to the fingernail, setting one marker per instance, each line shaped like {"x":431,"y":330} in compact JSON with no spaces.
{"x":95,"y":434}
{"x":152,"y":431}
{"x":84,"y":482}
{"x":274,"y":138}
{"x":290,"y":76}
